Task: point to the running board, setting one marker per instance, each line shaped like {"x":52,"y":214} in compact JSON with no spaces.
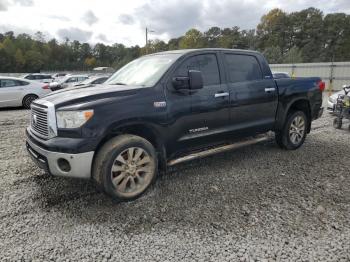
{"x":216,"y":150}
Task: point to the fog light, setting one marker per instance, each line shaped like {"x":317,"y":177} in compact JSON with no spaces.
{"x":63,"y":164}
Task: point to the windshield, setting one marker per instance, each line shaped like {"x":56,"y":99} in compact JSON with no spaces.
{"x":145,"y":71}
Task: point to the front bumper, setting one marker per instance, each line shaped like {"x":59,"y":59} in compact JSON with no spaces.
{"x":79,"y":165}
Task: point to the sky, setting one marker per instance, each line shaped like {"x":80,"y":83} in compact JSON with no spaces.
{"x":117,"y":21}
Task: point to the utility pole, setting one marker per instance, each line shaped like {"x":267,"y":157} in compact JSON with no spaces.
{"x":146,"y":40}
{"x":147,"y":32}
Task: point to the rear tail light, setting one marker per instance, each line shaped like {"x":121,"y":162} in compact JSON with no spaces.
{"x":46,"y":87}
{"x":321,"y":85}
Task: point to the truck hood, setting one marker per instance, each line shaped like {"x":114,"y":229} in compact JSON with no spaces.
{"x":82,"y":95}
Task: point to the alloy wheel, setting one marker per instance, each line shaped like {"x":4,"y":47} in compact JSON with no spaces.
{"x":132,"y":171}
{"x":297,"y":130}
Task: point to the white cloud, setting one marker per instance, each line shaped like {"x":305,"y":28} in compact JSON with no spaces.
{"x":125,"y":21}
{"x":90,"y":18}
{"x":74,"y":33}
{"x":3,"y":5}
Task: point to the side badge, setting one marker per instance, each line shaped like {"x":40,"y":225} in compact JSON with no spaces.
{"x":159,"y":104}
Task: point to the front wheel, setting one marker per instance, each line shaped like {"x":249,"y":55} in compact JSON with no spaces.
{"x":293,"y":134}
{"x":125,"y":167}
{"x":337,"y":123}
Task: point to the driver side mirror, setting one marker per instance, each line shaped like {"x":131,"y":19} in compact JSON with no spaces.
{"x":194,"y":81}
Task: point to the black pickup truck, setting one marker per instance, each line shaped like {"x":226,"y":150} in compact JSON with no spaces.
{"x":166,"y":108}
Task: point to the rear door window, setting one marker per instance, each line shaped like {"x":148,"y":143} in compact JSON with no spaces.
{"x":242,"y":68}
{"x":22,"y":83}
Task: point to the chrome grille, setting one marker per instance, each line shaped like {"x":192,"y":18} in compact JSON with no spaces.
{"x":39,"y":121}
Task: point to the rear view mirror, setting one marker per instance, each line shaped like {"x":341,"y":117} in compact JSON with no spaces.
{"x":193,"y":81}
{"x":196,"y":79}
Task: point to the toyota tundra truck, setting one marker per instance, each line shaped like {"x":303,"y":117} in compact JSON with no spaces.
{"x":166,"y":108}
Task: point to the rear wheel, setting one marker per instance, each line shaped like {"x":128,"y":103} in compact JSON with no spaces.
{"x":293,"y":134}
{"x":28,"y":100}
{"x":125,"y":167}
{"x":337,"y":123}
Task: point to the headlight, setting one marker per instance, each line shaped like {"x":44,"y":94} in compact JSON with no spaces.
{"x":73,"y":119}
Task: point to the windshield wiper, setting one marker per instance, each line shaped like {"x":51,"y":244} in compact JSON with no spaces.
{"x":118,"y":84}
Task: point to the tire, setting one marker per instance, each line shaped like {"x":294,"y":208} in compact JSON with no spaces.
{"x":28,"y":100}
{"x":293,"y":134}
{"x":123,"y":177}
{"x":337,"y":123}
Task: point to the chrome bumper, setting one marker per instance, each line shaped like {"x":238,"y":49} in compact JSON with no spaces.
{"x":80,"y":164}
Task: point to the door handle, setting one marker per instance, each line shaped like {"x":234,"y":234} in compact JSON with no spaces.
{"x":221,"y":94}
{"x":270,"y":89}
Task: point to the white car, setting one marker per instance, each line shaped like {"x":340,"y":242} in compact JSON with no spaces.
{"x":332,"y":100}
{"x":95,"y":80}
{"x":44,"y":78}
{"x":20,"y":92}
{"x":59,"y":75}
{"x":67,"y":81}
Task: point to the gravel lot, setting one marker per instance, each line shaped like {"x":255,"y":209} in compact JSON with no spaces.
{"x":257,"y":203}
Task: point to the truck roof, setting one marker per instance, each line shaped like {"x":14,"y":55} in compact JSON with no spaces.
{"x":186,"y":51}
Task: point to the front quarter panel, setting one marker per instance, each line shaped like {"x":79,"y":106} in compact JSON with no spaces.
{"x":136,"y":108}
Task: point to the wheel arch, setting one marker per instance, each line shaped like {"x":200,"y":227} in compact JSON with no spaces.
{"x":301,"y":104}
{"x":28,"y":94}
{"x":141,"y":129}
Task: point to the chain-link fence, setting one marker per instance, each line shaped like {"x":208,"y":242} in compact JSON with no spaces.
{"x":334,"y":74}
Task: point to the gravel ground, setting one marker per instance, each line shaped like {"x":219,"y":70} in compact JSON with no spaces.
{"x":257,"y":203}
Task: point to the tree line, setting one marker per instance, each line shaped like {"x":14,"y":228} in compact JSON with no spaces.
{"x":304,"y":36}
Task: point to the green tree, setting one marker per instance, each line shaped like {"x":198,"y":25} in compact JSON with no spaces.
{"x":90,"y":62}
{"x":273,"y":55}
{"x":34,"y":61}
{"x":192,"y":39}
{"x":274,"y":30}
{"x":293,"y":55}
{"x":307,"y":33}
{"x":20,"y":60}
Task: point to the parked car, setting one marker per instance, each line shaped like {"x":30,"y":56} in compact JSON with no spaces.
{"x":44,"y":78}
{"x":95,"y":80}
{"x":59,"y":75}
{"x":332,"y":101}
{"x":167,"y":108}
{"x":67,"y":81}
{"x":280,"y":75}
{"x":19,"y":92}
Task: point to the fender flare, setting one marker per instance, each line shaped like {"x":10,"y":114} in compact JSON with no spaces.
{"x":282,"y":112}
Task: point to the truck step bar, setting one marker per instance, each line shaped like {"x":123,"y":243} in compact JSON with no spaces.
{"x":220,"y":149}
